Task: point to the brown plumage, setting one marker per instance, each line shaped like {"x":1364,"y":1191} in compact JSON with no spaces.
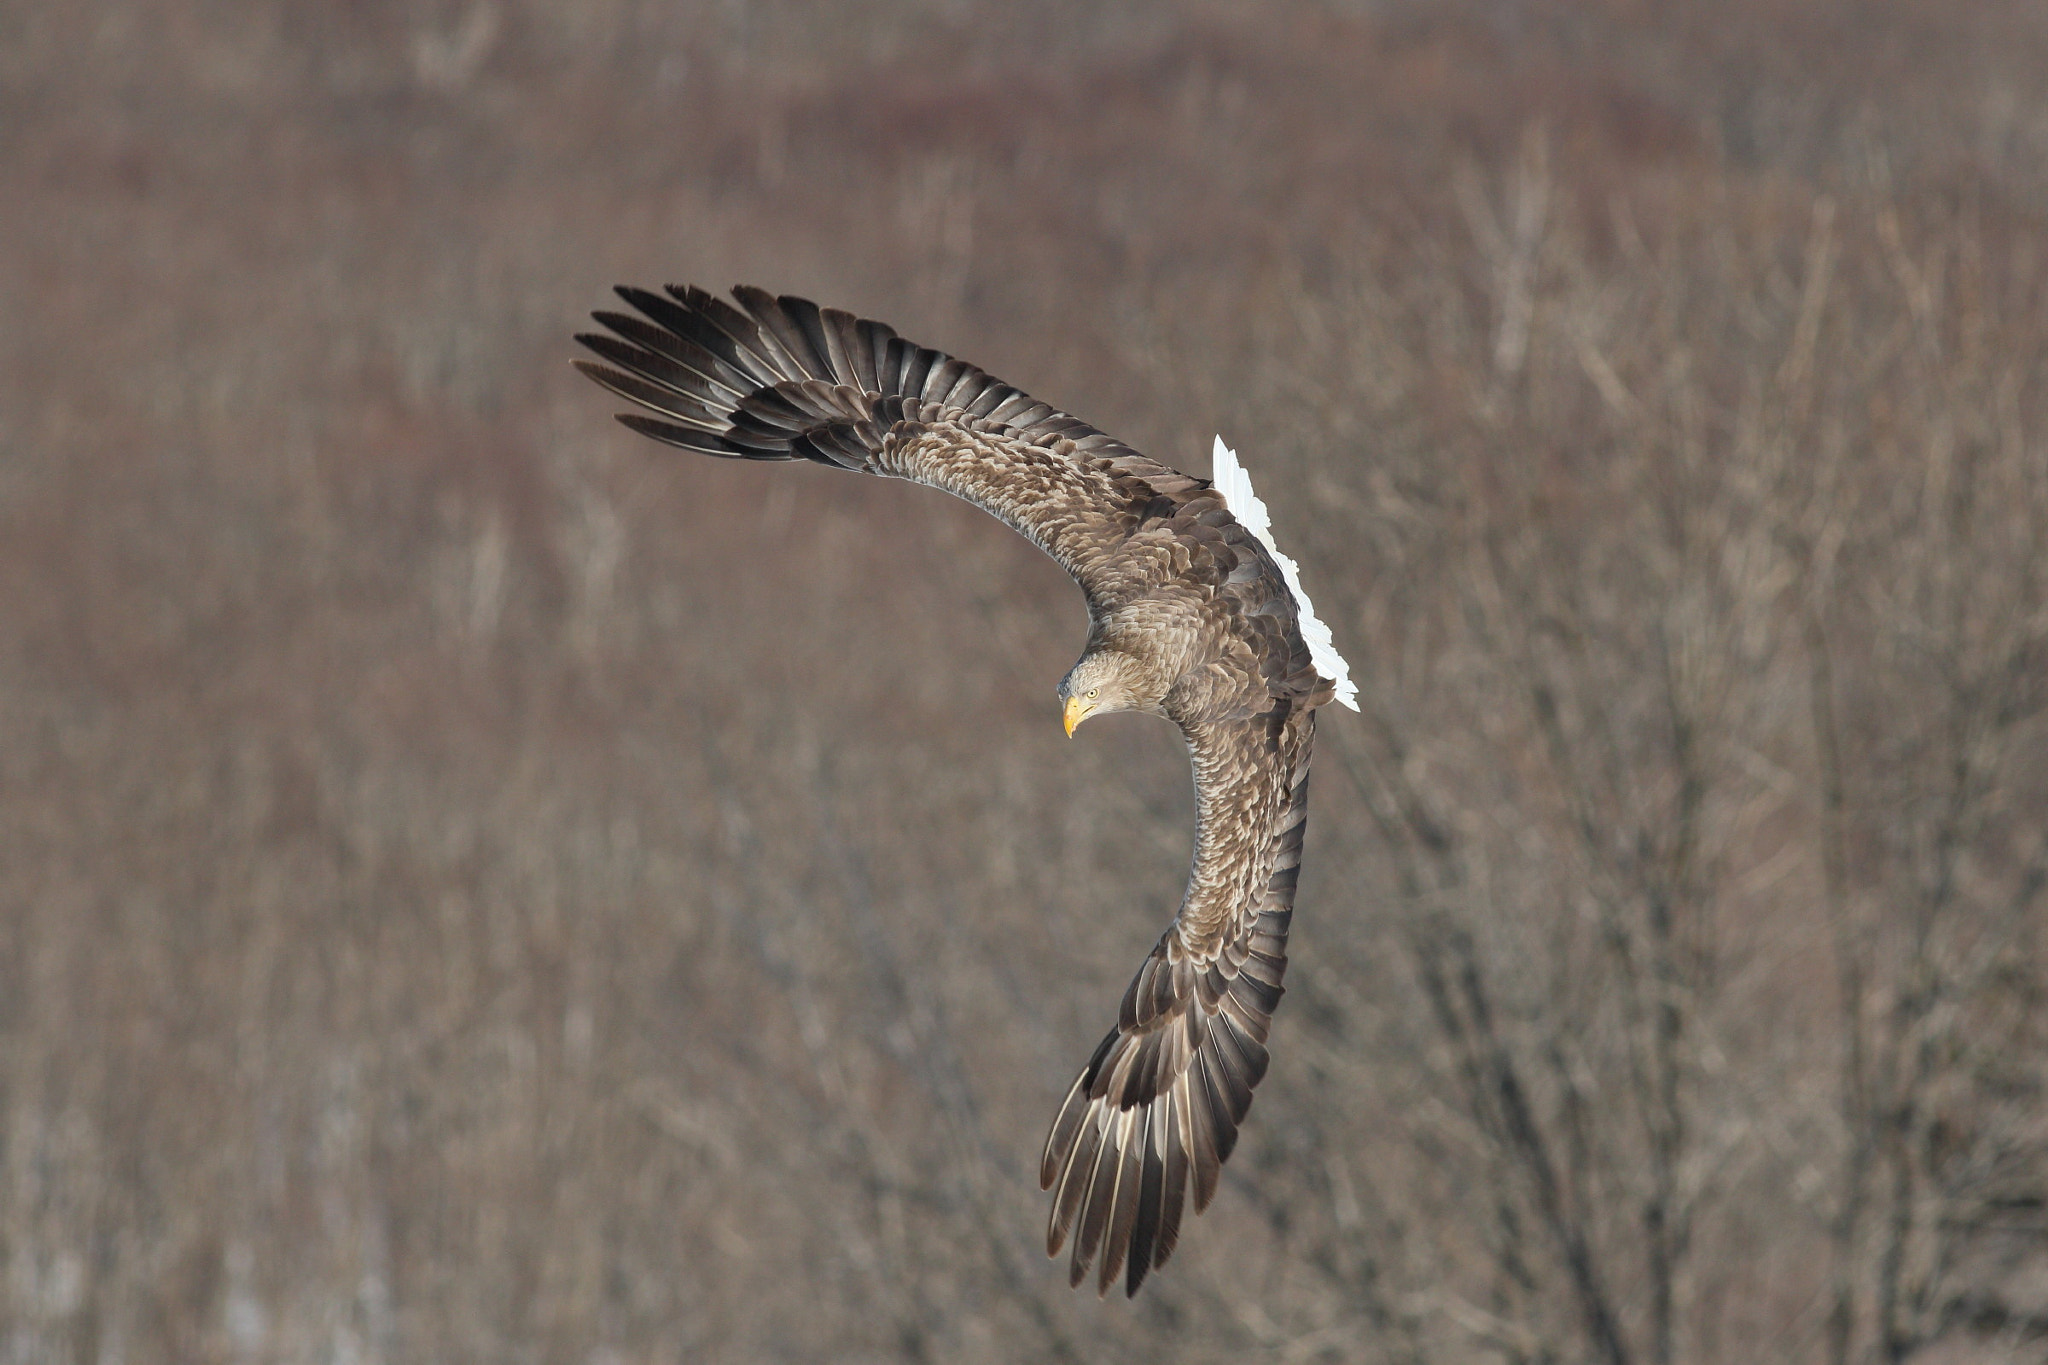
{"x":1190,"y":617}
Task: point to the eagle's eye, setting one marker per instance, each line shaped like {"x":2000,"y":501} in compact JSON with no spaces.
{"x":1092,"y":691}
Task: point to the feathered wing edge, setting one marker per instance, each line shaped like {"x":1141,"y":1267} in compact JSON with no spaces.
{"x":767,"y":377}
{"x":1158,"y":1106}
{"x":1234,"y":482}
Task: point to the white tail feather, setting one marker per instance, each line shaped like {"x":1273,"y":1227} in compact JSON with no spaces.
{"x":1235,"y":485}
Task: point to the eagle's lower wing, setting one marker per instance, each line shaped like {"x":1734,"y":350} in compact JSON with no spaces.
{"x":780,"y":379}
{"x":1159,"y":1104}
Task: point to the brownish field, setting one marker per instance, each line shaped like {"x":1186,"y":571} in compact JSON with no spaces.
{"x":476,"y":886}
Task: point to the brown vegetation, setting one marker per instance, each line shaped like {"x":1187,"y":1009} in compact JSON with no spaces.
{"x":476,"y":886}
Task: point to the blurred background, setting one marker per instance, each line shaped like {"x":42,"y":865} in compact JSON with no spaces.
{"x":478,"y":886}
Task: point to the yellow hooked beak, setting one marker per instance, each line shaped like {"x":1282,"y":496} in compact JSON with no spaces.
{"x":1077,"y":711}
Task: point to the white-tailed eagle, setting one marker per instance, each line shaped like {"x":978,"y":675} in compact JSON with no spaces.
{"x":1193,"y":615}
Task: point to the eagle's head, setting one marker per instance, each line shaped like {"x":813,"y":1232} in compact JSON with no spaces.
{"x":1107,"y":680}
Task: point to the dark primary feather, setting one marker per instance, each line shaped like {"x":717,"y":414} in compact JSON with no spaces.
{"x":1157,"y":1110}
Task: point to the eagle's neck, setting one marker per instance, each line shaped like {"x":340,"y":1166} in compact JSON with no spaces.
{"x":1145,"y":653}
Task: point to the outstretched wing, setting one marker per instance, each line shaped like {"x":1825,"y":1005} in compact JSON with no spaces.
{"x":780,"y":379}
{"x":1159,"y":1104}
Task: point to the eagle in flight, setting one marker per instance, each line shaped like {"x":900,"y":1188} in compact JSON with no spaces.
{"x":1193,"y":615}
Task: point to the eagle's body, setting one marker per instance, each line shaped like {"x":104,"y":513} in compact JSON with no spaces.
{"x":1193,"y":616}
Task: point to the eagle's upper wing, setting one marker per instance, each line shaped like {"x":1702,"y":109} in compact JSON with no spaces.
{"x":781,"y":379}
{"x":1160,"y":1101}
